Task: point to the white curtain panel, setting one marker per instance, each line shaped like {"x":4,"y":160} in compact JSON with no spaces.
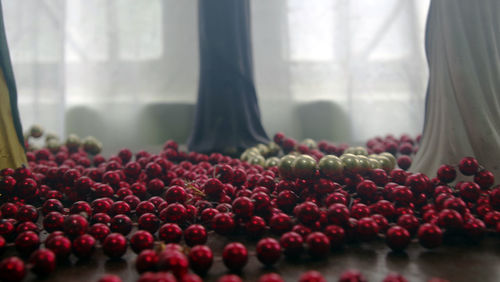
{"x":126,"y":71}
{"x":356,"y":68}
{"x":463,"y":116}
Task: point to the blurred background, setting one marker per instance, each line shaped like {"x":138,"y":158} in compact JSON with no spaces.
{"x":126,"y":71}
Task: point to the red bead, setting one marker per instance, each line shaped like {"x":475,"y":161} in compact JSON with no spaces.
{"x":43,"y":262}
{"x":148,"y":222}
{"x":200,"y":259}
{"x":83,"y":246}
{"x":419,"y":183}
{"x":469,"y":191}
{"x":280,"y":223}
{"x":235,"y":256}
{"x":243,"y":207}
{"x":12,"y":269}
{"x":318,"y":245}
{"x":53,"y":221}
{"x":213,"y":188}
{"x":81,"y":207}
{"x":409,"y":222}
{"x":367,"y":229}
{"x":404,"y":162}
{"x":398,"y":238}
{"x":195,"y":235}
{"x":456,"y":204}
{"x":223,"y":223}
{"x":308,"y":213}
{"x":338,"y":214}
{"x":173,"y":261}
{"x":392,"y":277}
{"x":75,"y":225}
{"x":114,"y":245}
{"x":492,"y":218}
{"x":367,"y":190}
{"x":158,"y":276}
{"x":292,"y":244}
{"x":120,"y":207}
{"x":286,"y":200}
{"x":99,"y":231}
{"x":2,"y":245}
{"x":495,"y":198}
{"x":352,"y":276}
{"x":359,"y":210}
{"x":141,"y":240}
{"x":121,"y":224}
{"x":474,"y":229}
{"x":268,"y":251}
{"x":146,"y":261}
{"x":60,"y":245}
{"x":446,"y":173}
{"x":468,"y":166}
{"x":175,"y":194}
{"x":51,"y":205}
{"x":175,"y":213}
{"x":312,"y":276}
{"x":27,"y":213}
{"x":451,"y":220}
{"x":110,"y":278}
{"x":270,"y":277}
{"x":27,"y":242}
{"x":336,"y":235}
{"x":9,"y":210}
{"x":255,"y":227}
{"x":430,"y":236}
{"x":27,"y":226}
{"x":170,"y":233}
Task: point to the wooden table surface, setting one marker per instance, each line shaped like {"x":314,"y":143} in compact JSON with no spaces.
{"x":455,"y":261}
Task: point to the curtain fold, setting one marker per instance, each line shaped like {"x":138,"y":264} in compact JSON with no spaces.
{"x":11,"y":134}
{"x":463,"y":106}
{"x":227,"y":115}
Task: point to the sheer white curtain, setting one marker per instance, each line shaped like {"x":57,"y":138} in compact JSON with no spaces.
{"x":345,"y":70}
{"x":97,"y":67}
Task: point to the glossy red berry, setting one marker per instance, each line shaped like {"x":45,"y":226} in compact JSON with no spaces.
{"x":99,"y":231}
{"x":146,"y":261}
{"x":318,"y":245}
{"x":268,"y":251}
{"x":43,"y":262}
{"x":114,"y":245}
{"x":223,"y":223}
{"x":352,"y":276}
{"x":312,"y":276}
{"x":27,"y":242}
{"x":468,"y":166}
{"x":83,"y":246}
{"x":195,"y":235}
{"x":75,"y":225}
{"x":12,"y":269}
{"x":121,"y":224}
{"x":430,"y":236}
{"x":170,"y":233}
{"x":141,"y":240}
{"x":397,"y":238}
{"x":235,"y":256}
{"x":200,"y":259}
{"x":270,"y":277}
{"x":173,"y":261}
{"x":60,"y":245}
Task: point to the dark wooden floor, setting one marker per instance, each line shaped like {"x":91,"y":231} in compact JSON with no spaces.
{"x":456,"y":261}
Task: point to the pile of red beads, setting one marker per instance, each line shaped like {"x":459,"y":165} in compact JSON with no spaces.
{"x":309,"y":203}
